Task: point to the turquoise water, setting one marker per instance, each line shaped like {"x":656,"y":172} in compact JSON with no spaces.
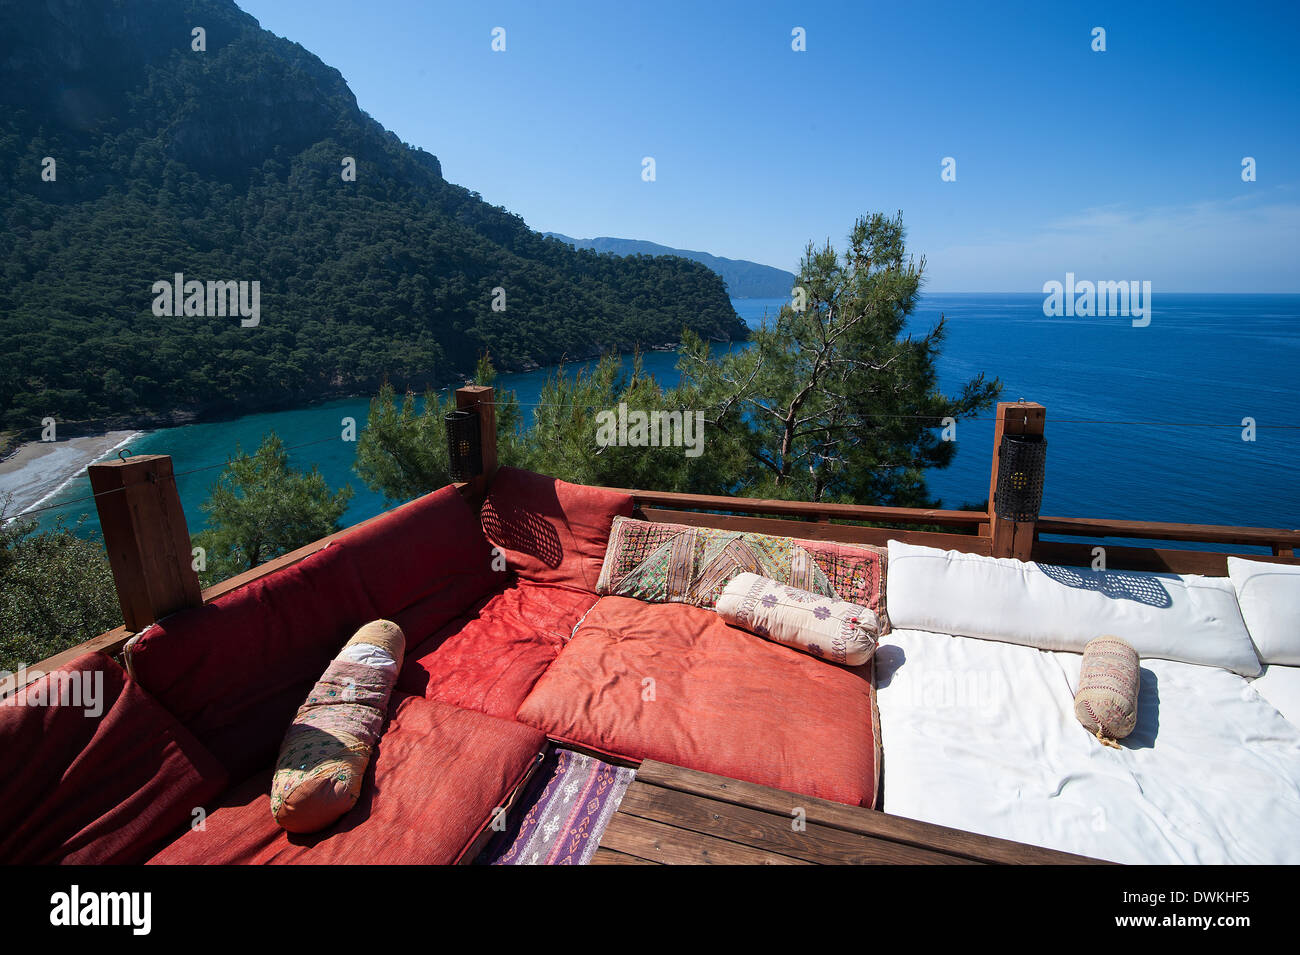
{"x":1203,"y":360}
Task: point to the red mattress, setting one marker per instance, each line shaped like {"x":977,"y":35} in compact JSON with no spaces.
{"x":489,"y":658}
{"x":437,"y":775}
{"x":674,"y":683}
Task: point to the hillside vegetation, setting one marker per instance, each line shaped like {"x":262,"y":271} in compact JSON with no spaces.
{"x":225,"y":165}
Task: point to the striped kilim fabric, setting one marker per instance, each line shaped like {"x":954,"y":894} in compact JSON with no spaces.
{"x":563,"y":814}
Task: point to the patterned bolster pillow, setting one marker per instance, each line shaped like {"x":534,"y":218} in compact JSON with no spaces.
{"x":1109,"y":679}
{"x":834,"y":630}
{"x":325,"y":753}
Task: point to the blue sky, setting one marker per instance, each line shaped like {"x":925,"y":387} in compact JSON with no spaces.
{"x":1123,"y":164}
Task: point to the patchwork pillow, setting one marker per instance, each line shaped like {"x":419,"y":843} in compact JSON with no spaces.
{"x":1269,"y":597}
{"x":834,"y":630}
{"x":1109,"y":680}
{"x":676,"y":563}
{"x":325,"y":753}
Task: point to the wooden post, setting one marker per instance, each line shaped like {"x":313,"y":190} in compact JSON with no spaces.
{"x":1012,"y":538}
{"x":146,"y":537}
{"x":480,"y":398}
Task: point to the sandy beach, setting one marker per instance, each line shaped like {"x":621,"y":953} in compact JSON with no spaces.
{"x":40,"y":469}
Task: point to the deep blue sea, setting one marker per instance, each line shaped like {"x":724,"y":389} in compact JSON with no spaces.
{"x":1172,"y":396}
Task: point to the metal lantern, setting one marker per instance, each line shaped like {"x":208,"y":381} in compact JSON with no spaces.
{"x":1022,"y":460}
{"x":464,"y":448}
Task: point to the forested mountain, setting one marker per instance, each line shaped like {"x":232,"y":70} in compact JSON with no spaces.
{"x":744,"y":279}
{"x":226,"y":164}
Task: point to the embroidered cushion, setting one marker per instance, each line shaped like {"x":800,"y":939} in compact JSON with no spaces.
{"x":834,"y":630}
{"x":325,"y":753}
{"x":675,"y":563}
{"x":1109,"y":679}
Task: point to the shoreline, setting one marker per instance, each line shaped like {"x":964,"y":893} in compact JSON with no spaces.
{"x":38,"y":470}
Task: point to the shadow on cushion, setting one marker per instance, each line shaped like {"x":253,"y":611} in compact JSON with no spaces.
{"x":551,"y":531}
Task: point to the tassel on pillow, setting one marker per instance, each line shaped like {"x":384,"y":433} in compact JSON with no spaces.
{"x":326,"y":751}
{"x":1109,"y":680}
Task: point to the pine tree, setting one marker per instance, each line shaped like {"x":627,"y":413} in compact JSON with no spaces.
{"x":261,"y":508}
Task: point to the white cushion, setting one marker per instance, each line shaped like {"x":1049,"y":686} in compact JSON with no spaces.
{"x":1269,"y":595}
{"x":1187,"y":618}
{"x":1281,"y":686}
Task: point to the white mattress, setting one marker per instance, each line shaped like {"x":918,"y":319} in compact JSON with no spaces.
{"x":981,"y":736}
{"x":1281,"y":686}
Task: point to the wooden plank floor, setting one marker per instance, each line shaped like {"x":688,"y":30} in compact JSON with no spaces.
{"x":676,"y":816}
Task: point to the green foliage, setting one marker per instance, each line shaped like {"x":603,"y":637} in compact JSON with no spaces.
{"x":261,"y":508}
{"x":563,"y":441}
{"x":56,"y":590}
{"x":829,"y":403}
{"x":402,"y":453}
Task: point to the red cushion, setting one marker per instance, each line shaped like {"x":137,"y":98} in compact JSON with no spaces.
{"x":437,"y":775}
{"x":724,"y":701}
{"x":431,"y":547}
{"x":235,"y":670}
{"x":76,"y":787}
{"x":489,"y":658}
{"x":550,"y":531}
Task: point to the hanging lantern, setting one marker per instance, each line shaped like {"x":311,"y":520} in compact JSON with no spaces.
{"x":1022,"y":460}
{"x":464,"y":450}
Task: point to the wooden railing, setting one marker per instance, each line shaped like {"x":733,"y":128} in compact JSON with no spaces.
{"x":147,"y":540}
{"x":807,"y":511}
{"x":1281,"y":542}
{"x":815,"y":521}
{"x":913,"y":525}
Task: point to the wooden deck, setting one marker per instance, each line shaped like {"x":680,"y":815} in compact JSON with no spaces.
{"x":676,"y":816}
